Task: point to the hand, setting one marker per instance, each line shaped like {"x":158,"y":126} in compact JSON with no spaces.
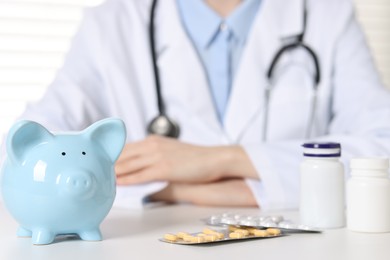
{"x":228,"y":193}
{"x":164,"y":159}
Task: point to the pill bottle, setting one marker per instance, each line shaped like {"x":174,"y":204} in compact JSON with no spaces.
{"x":322,"y":192}
{"x":368,"y":195}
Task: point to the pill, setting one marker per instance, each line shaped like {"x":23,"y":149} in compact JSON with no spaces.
{"x":263,"y":218}
{"x":201,"y":235}
{"x":187,"y":238}
{"x":209,"y":231}
{"x":233,"y":228}
{"x":210,"y":238}
{"x":242,"y":231}
{"x":196,"y":239}
{"x":268,"y":223}
{"x":273,"y":231}
{"x":286,"y":224}
{"x":214,"y":217}
{"x":277,"y":219}
{"x":236,"y":235}
{"x":251,"y":230}
{"x":238,"y":216}
{"x":260,"y":233}
{"x":170,"y":237}
{"x":182,"y":234}
{"x":229,"y":221}
{"x":214,"y":220}
{"x":219,"y":235}
{"x":247,"y":222}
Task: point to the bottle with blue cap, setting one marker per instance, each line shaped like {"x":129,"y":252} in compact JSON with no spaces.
{"x":322,"y":196}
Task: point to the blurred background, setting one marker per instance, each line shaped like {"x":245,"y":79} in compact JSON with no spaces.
{"x":35,"y":34}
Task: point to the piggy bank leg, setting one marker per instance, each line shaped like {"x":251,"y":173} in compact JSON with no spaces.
{"x":22,"y":232}
{"x":91,"y":235}
{"x":42,"y":237}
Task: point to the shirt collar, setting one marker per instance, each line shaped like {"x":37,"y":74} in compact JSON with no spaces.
{"x":241,"y":19}
{"x":202,"y":23}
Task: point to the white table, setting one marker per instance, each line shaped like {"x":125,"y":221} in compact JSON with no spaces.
{"x":133,"y":235}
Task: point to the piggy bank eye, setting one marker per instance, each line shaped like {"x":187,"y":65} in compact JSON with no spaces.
{"x":63,"y":153}
{"x":83,"y":153}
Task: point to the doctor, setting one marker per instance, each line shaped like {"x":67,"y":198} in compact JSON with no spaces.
{"x":239,"y":142}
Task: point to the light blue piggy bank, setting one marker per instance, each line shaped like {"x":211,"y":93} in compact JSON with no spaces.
{"x":61,"y":183}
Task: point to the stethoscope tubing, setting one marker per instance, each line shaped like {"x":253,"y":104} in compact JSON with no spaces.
{"x":152,"y":42}
{"x":270,"y":76}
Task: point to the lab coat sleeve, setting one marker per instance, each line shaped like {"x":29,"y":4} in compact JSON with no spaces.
{"x":360,"y":121}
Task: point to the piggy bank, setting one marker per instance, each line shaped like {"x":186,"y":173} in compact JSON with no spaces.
{"x":61,"y":183}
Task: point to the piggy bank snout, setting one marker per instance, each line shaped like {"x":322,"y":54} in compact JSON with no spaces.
{"x":78,"y":183}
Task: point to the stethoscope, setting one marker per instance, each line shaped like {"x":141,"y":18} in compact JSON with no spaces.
{"x":165,"y":126}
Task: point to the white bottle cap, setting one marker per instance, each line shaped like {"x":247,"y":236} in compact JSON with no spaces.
{"x":370,"y":163}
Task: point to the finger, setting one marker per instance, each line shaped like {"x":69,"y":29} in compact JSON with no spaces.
{"x":133,"y":150}
{"x":143,"y":176}
{"x":136,"y":164}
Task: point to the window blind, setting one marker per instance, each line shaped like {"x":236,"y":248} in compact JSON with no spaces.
{"x":35,"y":35}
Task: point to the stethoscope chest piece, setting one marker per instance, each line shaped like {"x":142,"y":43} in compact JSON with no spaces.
{"x":162,"y":125}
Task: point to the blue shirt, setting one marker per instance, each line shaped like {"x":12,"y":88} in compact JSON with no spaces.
{"x":219,"y":42}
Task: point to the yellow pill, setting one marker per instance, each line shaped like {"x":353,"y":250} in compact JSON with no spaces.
{"x":201,"y":235}
{"x":236,"y":235}
{"x":182,"y":234}
{"x":242,"y":231}
{"x":260,"y":233}
{"x":187,"y":238}
{"x":219,"y":235}
{"x":197,"y":239}
{"x":251,"y":230}
{"x":273,"y":231}
{"x":170,"y":237}
{"x":209,"y":231}
{"x":210,"y":238}
{"x":232,"y":228}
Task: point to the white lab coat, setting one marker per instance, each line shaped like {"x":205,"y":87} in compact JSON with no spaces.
{"x":108,"y":72}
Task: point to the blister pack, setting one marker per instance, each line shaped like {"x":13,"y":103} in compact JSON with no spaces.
{"x":259,"y":222}
{"x":230,"y":233}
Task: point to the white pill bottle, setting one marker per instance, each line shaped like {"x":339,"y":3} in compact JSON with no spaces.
{"x":322,"y":196}
{"x":368,"y":195}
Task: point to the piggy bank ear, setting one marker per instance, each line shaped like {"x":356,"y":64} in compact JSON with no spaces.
{"x":110,"y":134}
{"x":23,"y":136}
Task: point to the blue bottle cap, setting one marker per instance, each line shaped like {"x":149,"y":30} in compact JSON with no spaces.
{"x":322,"y":149}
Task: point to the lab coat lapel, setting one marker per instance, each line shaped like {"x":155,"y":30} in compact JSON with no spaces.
{"x":184,"y":81}
{"x":276,"y":20}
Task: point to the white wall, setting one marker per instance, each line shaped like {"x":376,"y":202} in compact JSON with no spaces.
{"x":35,"y":34}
